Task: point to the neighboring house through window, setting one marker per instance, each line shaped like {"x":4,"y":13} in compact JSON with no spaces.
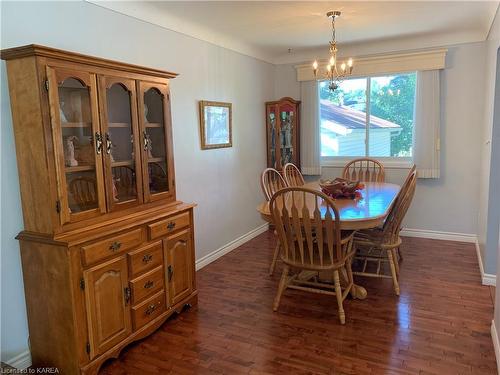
{"x":384,"y":103}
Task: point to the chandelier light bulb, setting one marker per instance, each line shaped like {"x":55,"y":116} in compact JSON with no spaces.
{"x":332,"y":61}
{"x":342,"y":67}
{"x":315,"y":65}
{"x":329,"y":67}
{"x":349,"y":63}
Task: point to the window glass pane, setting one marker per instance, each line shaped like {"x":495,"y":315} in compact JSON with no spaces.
{"x":343,"y":118}
{"x":392,"y":99}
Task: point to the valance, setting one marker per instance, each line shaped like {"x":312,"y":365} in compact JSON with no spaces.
{"x":383,"y":64}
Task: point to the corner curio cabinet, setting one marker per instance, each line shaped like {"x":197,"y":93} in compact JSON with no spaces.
{"x":283,"y":133}
{"x":107,"y":250}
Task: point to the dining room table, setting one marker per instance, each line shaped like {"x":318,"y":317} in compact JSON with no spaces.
{"x":367,"y":211}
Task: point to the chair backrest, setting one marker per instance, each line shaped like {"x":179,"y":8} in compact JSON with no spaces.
{"x":124,"y":181}
{"x":293,"y":177}
{"x":84,"y":192}
{"x":271,"y":181}
{"x":366,"y":169}
{"x":308,"y":226}
{"x":392,"y":224}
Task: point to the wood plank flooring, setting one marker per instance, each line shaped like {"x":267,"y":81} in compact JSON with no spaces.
{"x":439,"y":325}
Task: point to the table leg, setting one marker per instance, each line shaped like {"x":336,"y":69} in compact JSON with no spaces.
{"x":357,"y":291}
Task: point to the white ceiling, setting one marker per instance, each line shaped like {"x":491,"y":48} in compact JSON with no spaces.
{"x":267,"y":29}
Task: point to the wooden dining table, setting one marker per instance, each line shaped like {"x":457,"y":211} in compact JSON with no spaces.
{"x":369,"y":211}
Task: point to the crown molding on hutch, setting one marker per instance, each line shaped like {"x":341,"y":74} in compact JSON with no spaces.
{"x":383,"y":64}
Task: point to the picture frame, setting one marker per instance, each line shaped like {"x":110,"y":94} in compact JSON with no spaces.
{"x":215,"y":124}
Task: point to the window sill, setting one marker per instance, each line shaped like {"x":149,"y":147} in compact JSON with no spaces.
{"x":389,"y":163}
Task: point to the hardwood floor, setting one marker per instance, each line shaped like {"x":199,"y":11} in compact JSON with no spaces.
{"x":439,"y":325}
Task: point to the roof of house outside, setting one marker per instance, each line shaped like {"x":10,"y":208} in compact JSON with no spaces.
{"x":350,"y":118}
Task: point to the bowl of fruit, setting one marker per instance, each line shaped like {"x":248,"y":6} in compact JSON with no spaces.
{"x":340,"y":188}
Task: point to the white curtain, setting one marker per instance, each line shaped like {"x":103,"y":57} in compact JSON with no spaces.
{"x":310,"y":138}
{"x":426,"y":124}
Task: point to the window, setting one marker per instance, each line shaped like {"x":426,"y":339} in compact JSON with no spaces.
{"x":385,"y":103}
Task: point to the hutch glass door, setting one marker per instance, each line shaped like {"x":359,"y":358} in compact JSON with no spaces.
{"x":287,"y":133}
{"x":120,"y":137}
{"x":73,"y":99}
{"x":156,"y":148}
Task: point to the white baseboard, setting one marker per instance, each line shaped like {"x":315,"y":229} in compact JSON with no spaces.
{"x":496,"y":344}
{"x":486,"y":278}
{"x":216,"y":254}
{"x":437,"y":235}
{"x":21,"y":361}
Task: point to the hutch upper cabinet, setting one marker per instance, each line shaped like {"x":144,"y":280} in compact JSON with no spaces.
{"x":107,"y":250}
{"x":283,"y":133}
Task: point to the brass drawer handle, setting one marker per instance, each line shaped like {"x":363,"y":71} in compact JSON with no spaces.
{"x":149,"y":284}
{"x":171,"y":225}
{"x":115,"y":246}
{"x":150,"y":309}
{"x":147,"y":258}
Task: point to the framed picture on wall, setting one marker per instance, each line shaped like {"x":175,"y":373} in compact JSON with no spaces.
{"x":215,"y":124}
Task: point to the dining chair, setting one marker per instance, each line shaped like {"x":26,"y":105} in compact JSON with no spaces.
{"x":124,"y":179}
{"x":365,"y":169}
{"x":271,"y":181}
{"x":308,"y":226}
{"x":293,"y":177}
{"x":378,"y":246}
{"x":83,"y":189}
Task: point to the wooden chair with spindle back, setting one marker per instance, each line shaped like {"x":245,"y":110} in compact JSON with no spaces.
{"x":365,"y":169}
{"x":293,"y":177}
{"x":308,"y":226}
{"x":380,"y":245}
{"x":124,"y":181}
{"x":271,"y":181}
{"x":83,"y":189}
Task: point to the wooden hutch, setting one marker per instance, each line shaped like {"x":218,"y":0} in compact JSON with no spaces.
{"x":107,"y":250}
{"x":283,"y":133}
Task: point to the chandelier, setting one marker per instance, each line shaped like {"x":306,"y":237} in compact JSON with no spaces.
{"x":335,"y":74}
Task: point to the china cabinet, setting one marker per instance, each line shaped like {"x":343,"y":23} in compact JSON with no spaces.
{"x":283,"y":133}
{"x":107,"y":251}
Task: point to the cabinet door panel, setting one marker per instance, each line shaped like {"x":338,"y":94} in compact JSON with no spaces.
{"x":108,"y":304}
{"x":122,"y":159}
{"x":157,"y":156}
{"x":179,"y":270}
{"x":77,"y":143}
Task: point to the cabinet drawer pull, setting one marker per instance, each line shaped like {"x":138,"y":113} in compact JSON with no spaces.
{"x":150,"y":309}
{"x":171,"y":225}
{"x":170,"y":272}
{"x":149,"y":284}
{"x":147,"y":258}
{"x":115,"y":246}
